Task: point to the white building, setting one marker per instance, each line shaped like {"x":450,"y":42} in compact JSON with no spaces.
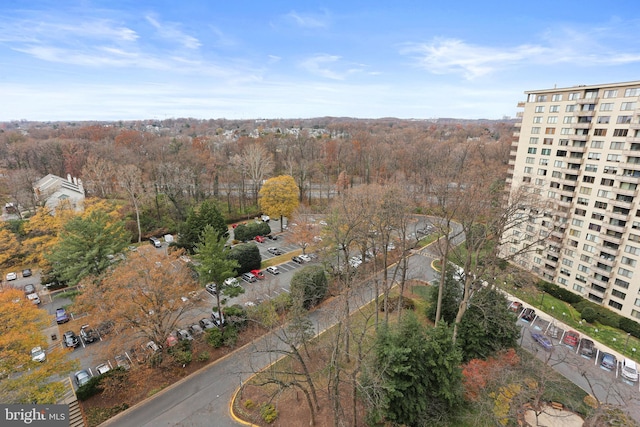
{"x":52,"y":190}
{"x":578,"y":149}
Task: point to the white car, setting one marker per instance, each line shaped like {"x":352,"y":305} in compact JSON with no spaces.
{"x":273,"y":270}
{"x":38,"y":354}
{"x":629,"y":370}
{"x":12,"y":276}
{"x":103,"y":368}
{"x":265,"y":218}
{"x":232,"y":281}
{"x":305,"y":258}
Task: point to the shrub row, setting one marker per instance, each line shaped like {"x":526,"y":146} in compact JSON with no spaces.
{"x":591,"y":311}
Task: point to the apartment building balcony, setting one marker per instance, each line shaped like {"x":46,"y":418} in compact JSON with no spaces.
{"x":621,"y":203}
{"x":602,"y":268}
{"x":606,"y":260}
{"x":566,"y":193}
{"x":519,"y":115}
{"x":577,"y":137}
{"x":581,"y":125}
{"x":634,"y":125}
{"x":625,"y":192}
{"x":633,"y":140}
{"x":584,"y":101}
{"x":615,"y":228}
{"x":585,"y":113}
{"x":516,"y":134}
{"x":617,"y":215}
{"x":518,"y":125}
{"x":521,"y":104}
{"x":631,"y":178}
{"x":597,"y":290}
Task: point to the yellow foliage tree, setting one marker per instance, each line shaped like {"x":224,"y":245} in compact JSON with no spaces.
{"x":279,"y":197}
{"x":10,"y":249}
{"x":25,"y":380}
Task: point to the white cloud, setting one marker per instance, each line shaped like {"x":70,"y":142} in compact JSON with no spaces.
{"x":171,"y":32}
{"x":330,"y":67}
{"x":308,"y":20}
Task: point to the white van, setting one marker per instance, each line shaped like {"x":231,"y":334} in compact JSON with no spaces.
{"x":34,"y":298}
{"x":629,"y":370}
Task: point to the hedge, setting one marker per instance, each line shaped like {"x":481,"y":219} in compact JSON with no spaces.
{"x":592,"y":311}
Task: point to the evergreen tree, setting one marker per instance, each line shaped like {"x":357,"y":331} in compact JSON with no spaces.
{"x":414,"y":376}
{"x":191,"y":230}
{"x":451,"y":297}
{"x":487,"y":326}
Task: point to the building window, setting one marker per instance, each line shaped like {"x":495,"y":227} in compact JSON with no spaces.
{"x":539,"y":109}
{"x":550,"y":131}
{"x":632,"y":92}
{"x":625,"y":273}
{"x":528,"y":170}
{"x":545,"y":151}
{"x":607,"y":181}
{"x":594,"y":227}
{"x":583,"y":268}
{"x":603,"y":120}
{"x":617,"y":145}
{"x":627,"y":106}
{"x":568,"y":119}
{"x":597,"y":216}
{"x":612,"y":93}
{"x":556,"y":97}
{"x":544,"y":162}
{"x":599,"y":132}
{"x":570,"y":108}
{"x":613,"y":170}
{"x":621,"y":283}
{"x":628,"y":261}
{"x":632,"y":250}
{"x":616,"y":293}
{"x":597,"y":144}
{"x":562,"y":281}
{"x":580,"y":212}
{"x":606,"y":106}
{"x":533,"y":140}
{"x":600,"y":205}
{"x":526,"y":179}
{"x":624,"y":120}
{"x":574,"y":96}
{"x":628,"y":186}
{"x":542,"y":172}
{"x":537,"y":119}
{"x":577,"y":222}
{"x":593,"y":156}
{"x":615,"y":304}
{"x":585,"y":190}
{"x":556,"y":174}
{"x":535,"y":130}
{"x":588,"y":179}
{"x":532,"y":150}
{"x":614,"y":157}
{"x":566,"y":131}
{"x":554,"y":109}
{"x":567,"y":262}
{"x":530,"y":160}
{"x":539,"y":181}
{"x":604,"y":194}
{"x":620,"y":132}
{"x":541,"y":98}
{"x":583,"y":201}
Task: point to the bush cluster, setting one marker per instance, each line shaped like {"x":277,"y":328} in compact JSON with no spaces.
{"x":590,"y":311}
{"x":268,"y":413}
{"x":246,"y":232}
{"x":216,"y":337}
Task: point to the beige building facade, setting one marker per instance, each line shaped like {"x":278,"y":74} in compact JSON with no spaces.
{"x":577,"y":152}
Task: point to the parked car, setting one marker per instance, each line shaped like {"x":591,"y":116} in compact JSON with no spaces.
{"x":195,"y":330}
{"x":249,"y":277}
{"x":26,"y":272}
{"x":528,"y":314}
{"x":103,"y":368}
{"x":70,"y":339}
{"x":29,"y":289}
{"x":273,"y":270}
{"x":12,"y":276}
{"x":34,"y":298}
{"x":88,"y":334}
{"x":259,"y":274}
{"x":212,"y":288}
{"x":206,"y":323}
{"x":608,"y":362}
{"x":297,"y":260}
{"x":171,"y":340}
{"x":184,"y":335}
{"x":305,"y":258}
{"x":152,"y":346}
{"x":82,"y":377}
{"x":61,"y":316}
{"x":217,"y":318}
{"x":122,"y":362}
{"x":272,"y":237}
{"x":515,"y":306}
{"x":275,"y":251}
{"x":629,"y":370}
{"x":265,"y":218}
{"x":259,"y":239}
{"x":571,"y":338}
{"x":586,"y":347}
{"x":38,"y":354}
{"x":232,"y":281}
{"x":543,"y":340}
{"x":155,"y":242}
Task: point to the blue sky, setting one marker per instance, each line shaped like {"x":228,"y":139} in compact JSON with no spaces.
{"x":142,"y":59}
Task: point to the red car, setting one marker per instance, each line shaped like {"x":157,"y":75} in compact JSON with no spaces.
{"x":259,"y":239}
{"x":259,"y":274}
{"x":571,"y":338}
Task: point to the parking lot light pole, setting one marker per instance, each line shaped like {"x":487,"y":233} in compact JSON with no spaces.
{"x":627,"y":341}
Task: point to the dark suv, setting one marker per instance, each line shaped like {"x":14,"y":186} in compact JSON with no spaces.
{"x":88,"y":334}
{"x":586,"y":347}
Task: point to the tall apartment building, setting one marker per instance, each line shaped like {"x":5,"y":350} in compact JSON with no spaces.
{"x":578,"y":149}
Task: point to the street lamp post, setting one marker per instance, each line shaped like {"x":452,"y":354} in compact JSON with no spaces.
{"x":627,"y":341}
